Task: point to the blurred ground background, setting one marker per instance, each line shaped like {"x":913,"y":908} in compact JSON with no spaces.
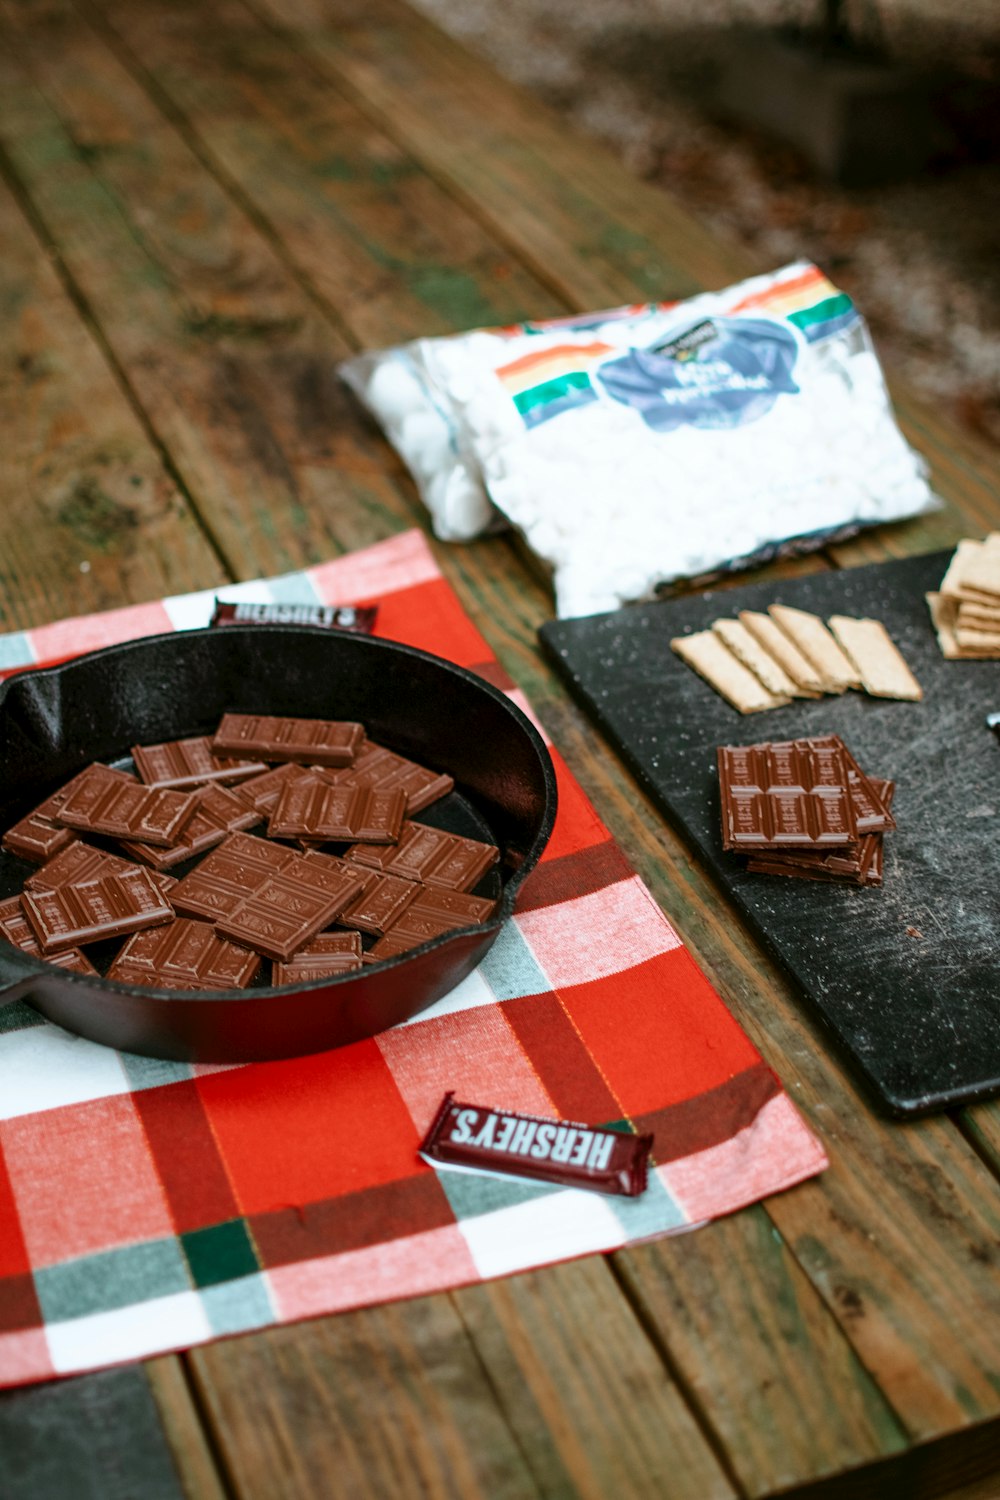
{"x":920,"y":257}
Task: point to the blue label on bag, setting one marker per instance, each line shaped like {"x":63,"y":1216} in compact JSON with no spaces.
{"x":714,"y":374}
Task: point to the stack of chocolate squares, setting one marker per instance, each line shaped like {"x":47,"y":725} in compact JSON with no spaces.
{"x":340,"y":876}
{"x":804,"y":809}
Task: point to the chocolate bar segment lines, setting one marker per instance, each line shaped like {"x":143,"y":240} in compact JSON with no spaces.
{"x":312,"y":807}
{"x":431,"y":856}
{"x":325,"y":956}
{"x":108,"y":802}
{"x":80,"y":861}
{"x":290,"y":907}
{"x":218,"y":814}
{"x":189,"y":762}
{"x":321,"y":742}
{"x":109,"y":906}
{"x":184,"y":955}
{"x":385,"y":771}
{"x":220,"y":882}
{"x":785,"y":795}
{"x":429,"y":915}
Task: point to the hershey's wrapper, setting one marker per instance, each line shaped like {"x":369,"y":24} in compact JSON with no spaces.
{"x":356,"y":617}
{"x":478,"y":1138}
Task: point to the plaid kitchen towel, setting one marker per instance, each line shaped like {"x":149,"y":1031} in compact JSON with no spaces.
{"x":147,"y":1206}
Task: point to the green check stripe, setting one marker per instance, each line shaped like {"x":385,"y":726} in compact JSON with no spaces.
{"x":822,"y":312}
{"x":551,"y":390}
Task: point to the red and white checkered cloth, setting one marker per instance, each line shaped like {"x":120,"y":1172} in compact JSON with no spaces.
{"x":148,"y":1206}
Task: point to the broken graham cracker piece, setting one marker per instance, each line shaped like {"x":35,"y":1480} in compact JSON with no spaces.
{"x":748,"y":650}
{"x":813,"y":639}
{"x":871,"y":648}
{"x":808,"y":682}
{"x":706,"y":653}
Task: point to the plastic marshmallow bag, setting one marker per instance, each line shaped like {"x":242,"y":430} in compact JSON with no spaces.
{"x":646,"y":444}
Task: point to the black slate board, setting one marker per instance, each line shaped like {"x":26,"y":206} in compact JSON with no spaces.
{"x":907,"y":976}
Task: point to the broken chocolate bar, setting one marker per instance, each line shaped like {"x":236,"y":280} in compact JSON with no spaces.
{"x":327,"y":954}
{"x":106,"y":801}
{"x":291,"y":906}
{"x":185,"y":955}
{"x":311,"y":807}
{"x":431,"y":856}
{"x":321,"y":742}
{"x":785,"y":795}
{"x":385,"y":771}
{"x":188,"y":763}
{"x":483,"y":1139}
{"x":110,"y":906}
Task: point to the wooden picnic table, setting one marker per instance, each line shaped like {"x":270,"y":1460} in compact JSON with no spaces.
{"x":204,"y":208}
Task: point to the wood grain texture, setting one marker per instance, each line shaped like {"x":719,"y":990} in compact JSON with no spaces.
{"x":386,"y":1404}
{"x":592,"y":1406}
{"x":185,"y":1433}
{"x":842,"y":1322}
{"x":91,"y":518}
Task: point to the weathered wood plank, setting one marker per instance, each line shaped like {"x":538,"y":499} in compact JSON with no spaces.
{"x":96,"y":1438}
{"x":227,"y":358}
{"x":380,"y":242}
{"x":566,"y":205}
{"x":184,"y":1430}
{"x":387,"y":1404}
{"x":591,"y":1405}
{"x":981,"y":1125}
{"x":89,"y":517}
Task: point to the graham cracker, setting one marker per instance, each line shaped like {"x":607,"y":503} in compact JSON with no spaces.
{"x":978,"y":616}
{"x":747,"y":649}
{"x":872,"y":650}
{"x":808,"y":683}
{"x":810,"y":635}
{"x":982,"y":573}
{"x":945,"y":627}
{"x":712,"y":660}
{"x":981,"y":641}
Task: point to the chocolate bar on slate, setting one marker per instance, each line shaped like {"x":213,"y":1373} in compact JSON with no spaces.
{"x":356,"y":617}
{"x":185,"y":955}
{"x":862,"y":866}
{"x":386,"y":771}
{"x":221,"y":881}
{"x":431,"y":913}
{"x":785,"y":795}
{"x":870,"y":816}
{"x":106,"y":801}
{"x":14,"y":926}
{"x":291,"y":906}
{"x":430,"y":855}
{"x":327,"y":954}
{"x":321,"y":742}
{"x":559,"y":1151}
{"x":81,"y":861}
{"x":38,"y":836}
{"x":189,"y":763}
{"x":110,"y":906}
{"x":311,"y":807}
{"x":219,"y":814}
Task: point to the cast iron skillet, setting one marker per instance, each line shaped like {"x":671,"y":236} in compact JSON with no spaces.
{"x":56,"y":720}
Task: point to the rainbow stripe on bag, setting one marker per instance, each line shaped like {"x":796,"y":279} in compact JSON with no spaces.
{"x":559,"y":377}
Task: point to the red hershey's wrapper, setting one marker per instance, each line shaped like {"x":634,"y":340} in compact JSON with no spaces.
{"x":482,"y":1139}
{"x":356,"y":617}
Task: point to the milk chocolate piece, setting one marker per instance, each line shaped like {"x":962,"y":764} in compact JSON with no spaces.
{"x":80,"y":862}
{"x":321,"y":742}
{"x":356,"y":617}
{"x":262,"y":792}
{"x":869,"y":813}
{"x":106,"y":801}
{"x":220,"y":882}
{"x":381,"y":903}
{"x":289,"y":907}
{"x":431,"y":856}
{"x":185,"y":955}
{"x":785,"y":795}
{"x":189,"y":763}
{"x":38,"y":836}
{"x":219,"y":813}
{"x":862,"y":866}
{"x":560,"y":1151}
{"x":385,"y":771}
{"x":431,"y":913}
{"x":14,"y":926}
{"x":109,"y":906}
{"x":312,"y":807}
{"x":327,"y":954}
